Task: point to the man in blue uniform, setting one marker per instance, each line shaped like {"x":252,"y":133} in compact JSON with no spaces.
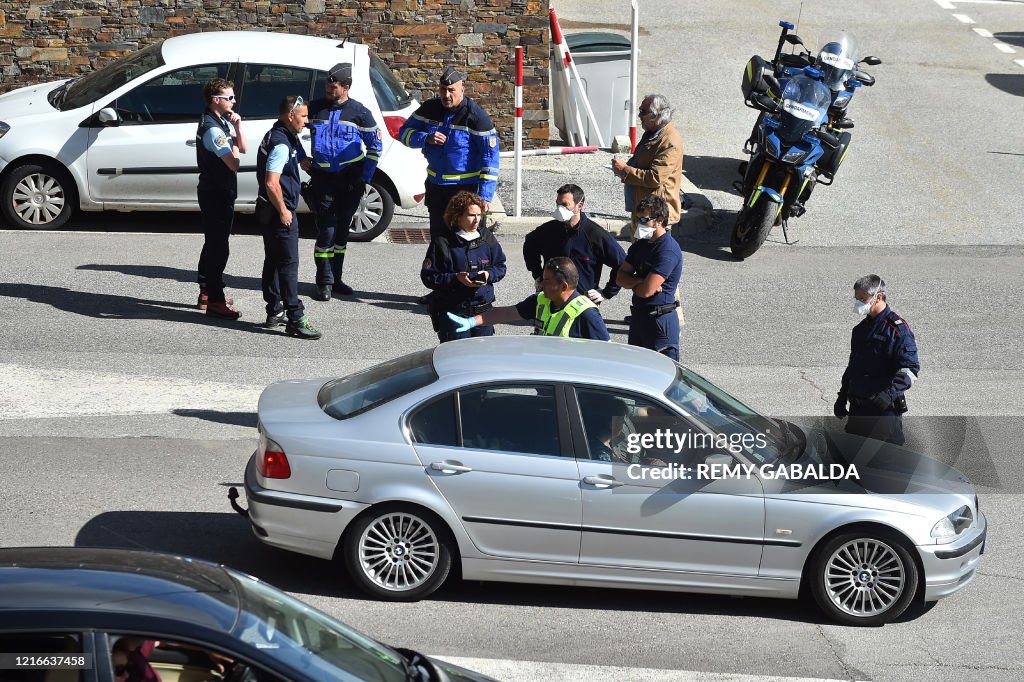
{"x":219,"y":141}
{"x":557,"y":310}
{"x":460,"y":144}
{"x":652,"y":269}
{"x":346,"y":147}
{"x":572,"y":234}
{"x":277,"y":171}
{"x":883,"y":366}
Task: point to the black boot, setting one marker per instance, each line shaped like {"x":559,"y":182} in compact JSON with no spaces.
{"x":338,"y":266}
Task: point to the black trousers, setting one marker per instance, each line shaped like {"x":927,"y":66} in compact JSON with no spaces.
{"x":887,"y":425}
{"x":437,"y":198}
{"x":217,"y":209}
{"x":337,"y":199}
{"x":281,"y":268}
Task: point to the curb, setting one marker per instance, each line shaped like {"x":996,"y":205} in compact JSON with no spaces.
{"x":697,"y":214}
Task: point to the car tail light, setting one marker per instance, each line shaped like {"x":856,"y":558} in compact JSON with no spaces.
{"x":394,"y":124}
{"x":272,"y":462}
{"x":418,"y":197}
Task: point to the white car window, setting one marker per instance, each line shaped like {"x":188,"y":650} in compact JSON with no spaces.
{"x":175,"y":97}
{"x":516,"y":418}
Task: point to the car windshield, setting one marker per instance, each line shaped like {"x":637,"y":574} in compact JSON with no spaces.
{"x":101,"y":83}
{"x":724,"y":414}
{"x":359,"y":392}
{"x":388,"y":90}
{"x":309,"y":640}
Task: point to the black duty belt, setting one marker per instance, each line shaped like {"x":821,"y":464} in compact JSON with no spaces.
{"x":472,"y":309}
{"x":653,"y":310}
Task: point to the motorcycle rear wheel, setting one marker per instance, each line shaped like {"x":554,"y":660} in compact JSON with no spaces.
{"x":752,"y":227}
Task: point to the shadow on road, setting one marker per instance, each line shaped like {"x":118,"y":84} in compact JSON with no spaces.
{"x":172,"y":274}
{"x":1012,"y":83}
{"x":219,"y":417}
{"x":1011,"y":37}
{"x":111,"y":306}
{"x":715,"y":173}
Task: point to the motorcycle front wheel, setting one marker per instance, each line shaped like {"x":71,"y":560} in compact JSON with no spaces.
{"x":752,"y":227}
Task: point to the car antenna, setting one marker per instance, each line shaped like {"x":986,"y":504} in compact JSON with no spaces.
{"x":798,"y":15}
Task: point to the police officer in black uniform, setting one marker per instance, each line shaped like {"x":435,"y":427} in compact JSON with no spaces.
{"x":346,"y":146}
{"x":883,"y":366}
{"x":573,"y":235}
{"x":219,"y":141}
{"x":461,"y":267}
{"x":277,"y":171}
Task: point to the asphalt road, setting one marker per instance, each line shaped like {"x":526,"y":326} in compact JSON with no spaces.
{"x":124,"y":413}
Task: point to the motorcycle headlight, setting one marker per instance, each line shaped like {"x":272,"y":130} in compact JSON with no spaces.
{"x":949,"y":527}
{"x":4,"y":128}
{"x":794,"y":156}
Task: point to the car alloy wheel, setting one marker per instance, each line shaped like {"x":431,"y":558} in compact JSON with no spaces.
{"x":397,"y":554}
{"x":37,"y":197}
{"x":865,"y":580}
{"x":373,"y":216}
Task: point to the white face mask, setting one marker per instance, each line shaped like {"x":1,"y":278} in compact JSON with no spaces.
{"x":863,"y":308}
{"x":645,"y":231}
{"x":563,"y":214}
{"x":468,"y":236}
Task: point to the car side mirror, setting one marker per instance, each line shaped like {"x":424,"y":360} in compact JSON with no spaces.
{"x":716,"y":463}
{"x":107,"y":116}
{"x":871,"y":60}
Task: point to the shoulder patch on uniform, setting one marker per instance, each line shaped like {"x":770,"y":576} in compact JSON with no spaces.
{"x":491,"y":141}
{"x":895,"y":325}
{"x":378,"y":133}
{"x":221,"y":140}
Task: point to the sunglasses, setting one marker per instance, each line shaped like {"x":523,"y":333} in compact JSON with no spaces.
{"x":230,"y":98}
{"x":120,"y":670}
{"x":643,"y":220}
{"x":298,"y":103}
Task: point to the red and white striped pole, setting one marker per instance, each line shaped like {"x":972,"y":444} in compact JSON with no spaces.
{"x":518,"y":132}
{"x":571,"y":112}
{"x":634,"y":60}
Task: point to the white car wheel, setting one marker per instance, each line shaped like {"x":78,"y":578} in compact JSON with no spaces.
{"x":374,"y":214}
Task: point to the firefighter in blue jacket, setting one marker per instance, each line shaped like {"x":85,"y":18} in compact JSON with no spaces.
{"x":346,"y":145}
{"x":883,"y":366}
{"x":571,"y":233}
{"x":460,"y":144}
{"x":461,"y":267}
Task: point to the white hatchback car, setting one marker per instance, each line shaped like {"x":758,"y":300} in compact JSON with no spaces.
{"x":123,"y":137}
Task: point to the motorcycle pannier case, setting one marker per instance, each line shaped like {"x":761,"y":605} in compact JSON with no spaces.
{"x":754,"y":77}
{"x":829,"y":162}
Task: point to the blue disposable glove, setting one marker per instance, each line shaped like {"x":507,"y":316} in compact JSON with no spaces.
{"x":465,"y":323}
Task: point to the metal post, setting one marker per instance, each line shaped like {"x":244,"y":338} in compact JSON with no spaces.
{"x":634,"y":61}
{"x":519,"y":133}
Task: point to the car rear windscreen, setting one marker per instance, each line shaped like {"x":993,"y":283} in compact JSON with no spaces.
{"x":362,"y":391}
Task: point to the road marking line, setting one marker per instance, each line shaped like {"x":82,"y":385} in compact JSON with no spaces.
{"x":945,"y":4}
{"x":984,"y":32}
{"x":1003,"y":47}
{"x":986,"y":2}
{"x":963,"y":18}
{"x":1020,"y":62}
{"x":571,"y":672}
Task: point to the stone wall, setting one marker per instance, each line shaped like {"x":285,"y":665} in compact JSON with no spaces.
{"x":43,"y":40}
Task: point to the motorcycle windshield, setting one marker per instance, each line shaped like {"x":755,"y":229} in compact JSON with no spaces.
{"x":804,"y":104}
{"x":837,"y":60}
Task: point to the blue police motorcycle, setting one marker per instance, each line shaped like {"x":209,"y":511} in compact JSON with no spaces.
{"x":790,"y":139}
{"x":789,"y":152}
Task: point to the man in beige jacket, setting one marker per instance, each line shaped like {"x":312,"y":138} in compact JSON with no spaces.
{"x":656,"y":167}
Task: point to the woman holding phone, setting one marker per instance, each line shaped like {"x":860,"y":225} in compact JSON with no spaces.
{"x":461,"y":267}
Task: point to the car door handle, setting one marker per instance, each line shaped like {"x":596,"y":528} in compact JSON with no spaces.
{"x":450,"y":467}
{"x":190,"y":143}
{"x":602,"y":481}
{"x":306,"y":137}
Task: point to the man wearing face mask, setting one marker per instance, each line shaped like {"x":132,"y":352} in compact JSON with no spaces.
{"x":652,"y":269}
{"x":572,"y":234}
{"x":558,"y":309}
{"x":883,"y":366}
